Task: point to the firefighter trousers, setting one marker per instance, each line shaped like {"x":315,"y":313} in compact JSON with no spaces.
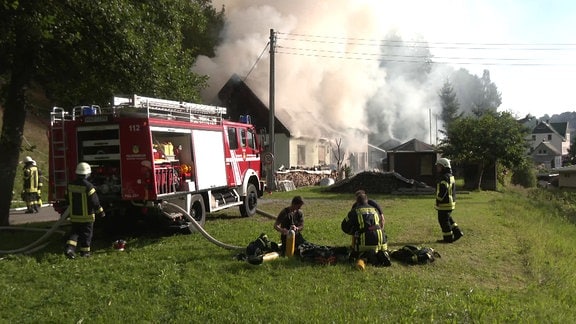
{"x":81,"y":236}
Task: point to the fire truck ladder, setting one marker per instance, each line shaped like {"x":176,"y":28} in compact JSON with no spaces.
{"x":58,"y":148}
{"x":175,"y":110}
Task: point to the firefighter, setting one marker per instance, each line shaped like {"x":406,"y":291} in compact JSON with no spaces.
{"x":31,"y":185}
{"x":84,"y":205}
{"x":363,"y":221}
{"x":446,"y":202}
{"x":291,"y":218}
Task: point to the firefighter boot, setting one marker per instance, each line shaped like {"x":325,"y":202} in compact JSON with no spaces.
{"x":447,"y":238}
{"x":69,"y":252}
{"x":457,"y":233}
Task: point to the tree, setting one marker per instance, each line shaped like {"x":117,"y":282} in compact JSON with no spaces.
{"x":85,"y":51}
{"x":487,"y":139}
{"x":572,"y":152}
{"x":475,"y":94}
{"x":450,"y":105}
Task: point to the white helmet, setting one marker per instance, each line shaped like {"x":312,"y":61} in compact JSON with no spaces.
{"x":83,"y":168}
{"x":28,"y":159}
{"x":443,"y":162}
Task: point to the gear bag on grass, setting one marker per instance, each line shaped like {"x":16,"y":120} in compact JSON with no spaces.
{"x":322,"y":254}
{"x":411,"y":254}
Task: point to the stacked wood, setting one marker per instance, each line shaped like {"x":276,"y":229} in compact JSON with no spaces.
{"x":304,"y":178}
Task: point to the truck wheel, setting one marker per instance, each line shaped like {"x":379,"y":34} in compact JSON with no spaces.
{"x":248,"y":208}
{"x":197,"y":211}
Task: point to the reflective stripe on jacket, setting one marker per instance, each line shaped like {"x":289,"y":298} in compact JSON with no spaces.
{"x":31,"y":179}
{"x":445,"y":193}
{"x":84,"y":203}
{"x":364,"y":223}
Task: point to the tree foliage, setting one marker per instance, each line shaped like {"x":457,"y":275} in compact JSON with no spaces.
{"x":83,"y":52}
{"x":486,"y":139}
{"x":475,"y":94}
{"x":450,"y":105}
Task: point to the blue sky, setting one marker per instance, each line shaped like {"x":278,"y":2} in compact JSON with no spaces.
{"x":546,"y":86}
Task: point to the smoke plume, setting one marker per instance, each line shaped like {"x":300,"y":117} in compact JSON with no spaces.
{"x":330,"y":78}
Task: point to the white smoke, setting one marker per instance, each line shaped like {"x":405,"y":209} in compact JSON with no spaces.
{"x":321,"y":89}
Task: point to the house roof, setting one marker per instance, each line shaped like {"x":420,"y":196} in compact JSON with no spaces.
{"x":414,"y":145}
{"x":546,"y":147}
{"x":239,"y":100}
{"x":558,"y":128}
{"x":389,"y":144}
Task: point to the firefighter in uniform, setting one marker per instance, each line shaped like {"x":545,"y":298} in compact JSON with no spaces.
{"x":31,"y":185}
{"x":446,"y":201}
{"x":370,"y":241}
{"x":83,"y":206}
{"x":291,"y":218}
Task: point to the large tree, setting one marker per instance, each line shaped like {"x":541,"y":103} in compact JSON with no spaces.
{"x":475,"y":94}
{"x":485,"y":140}
{"x":82,"y":52}
{"x":450,"y":105}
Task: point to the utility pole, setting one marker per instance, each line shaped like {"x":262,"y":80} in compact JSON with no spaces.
{"x":430,"y":122}
{"x":270,"y":177}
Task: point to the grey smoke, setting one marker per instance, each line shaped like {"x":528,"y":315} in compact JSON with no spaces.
{"x":321,"y":89}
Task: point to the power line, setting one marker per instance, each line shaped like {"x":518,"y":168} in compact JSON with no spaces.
{"x":447,"y":50}
{"x":426,"y":44}
{"x":257,"y":60}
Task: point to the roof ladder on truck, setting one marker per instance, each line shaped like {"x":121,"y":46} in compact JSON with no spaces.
{"x":58,"y":148}
{"x":176,"y":110}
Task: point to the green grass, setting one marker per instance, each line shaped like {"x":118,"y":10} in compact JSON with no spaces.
{"x":514,"y":264}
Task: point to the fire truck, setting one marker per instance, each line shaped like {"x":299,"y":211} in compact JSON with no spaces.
{"x":147,"y":154}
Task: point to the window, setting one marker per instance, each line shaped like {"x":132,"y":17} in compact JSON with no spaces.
{"x":426,"y":164}
{"x":243,"y":137}
{"x":549,"y":137}
{"x":322,"y":154}
{"x":251,"y":139}
{"x":301,"y":155}
{"x":232,"y":141}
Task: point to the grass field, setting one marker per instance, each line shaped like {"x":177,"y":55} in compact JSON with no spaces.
{"x":514,"y":264}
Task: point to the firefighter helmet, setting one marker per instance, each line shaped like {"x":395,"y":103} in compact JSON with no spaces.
{"x":83,"y":168}
{"x":28,"y":160}
{"x":119,"y":245}
{"x":443,"y":162}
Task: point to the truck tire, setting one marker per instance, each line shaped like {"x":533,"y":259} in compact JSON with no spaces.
{"x":248,"y":208}
{"x":197,"y":211}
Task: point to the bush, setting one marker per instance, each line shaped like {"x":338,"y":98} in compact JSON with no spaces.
{"x":524,"y":176}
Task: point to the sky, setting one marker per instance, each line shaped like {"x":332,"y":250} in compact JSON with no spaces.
{"x":528,"y":46}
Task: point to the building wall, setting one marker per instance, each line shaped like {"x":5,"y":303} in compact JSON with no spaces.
{"x":414,"y":165}
{"x":282,"y":151}
{"x":567,"y":179}
{"x":555,"y":140}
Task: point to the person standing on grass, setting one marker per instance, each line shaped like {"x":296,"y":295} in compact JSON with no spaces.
{"x":83,"y":204}
{"x":31,"y":185}
{"x":291,"y":218}
{"x":446,"y":201}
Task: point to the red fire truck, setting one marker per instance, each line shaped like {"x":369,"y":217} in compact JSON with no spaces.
{"x":146,"y":151}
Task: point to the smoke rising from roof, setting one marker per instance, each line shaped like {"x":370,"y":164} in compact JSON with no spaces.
{"x":329,"y":79}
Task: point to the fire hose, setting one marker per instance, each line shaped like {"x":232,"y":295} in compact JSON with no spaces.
{"x":39,"y":243}
{"x":201,"y":230}
{"x":254,"y":260}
